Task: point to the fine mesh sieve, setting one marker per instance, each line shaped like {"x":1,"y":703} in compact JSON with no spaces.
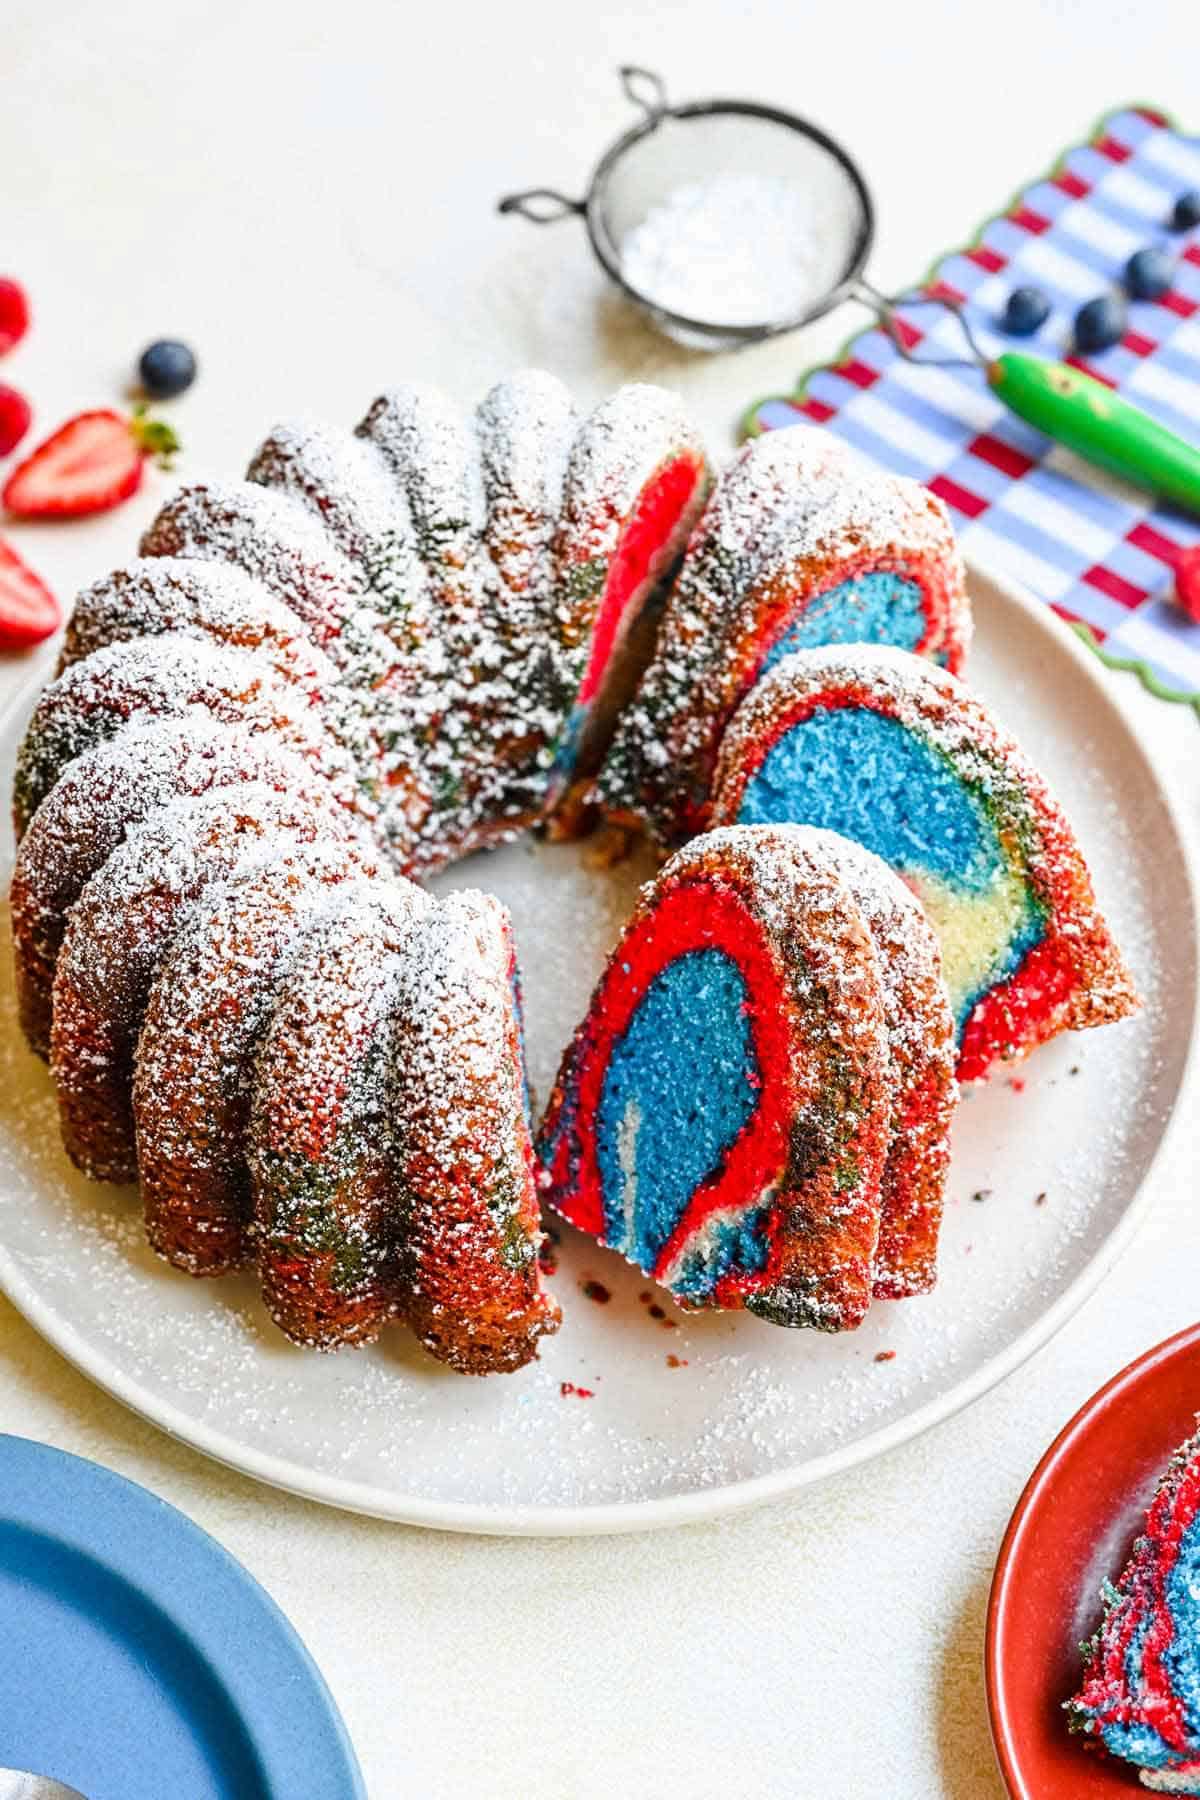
{"x":674,"y":150}
{"x":705,"y":141}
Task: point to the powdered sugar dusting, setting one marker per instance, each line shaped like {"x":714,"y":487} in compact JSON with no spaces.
{"x":171,"y":676}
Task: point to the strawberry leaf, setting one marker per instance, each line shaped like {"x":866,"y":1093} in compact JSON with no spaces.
{"x":155,"y":438}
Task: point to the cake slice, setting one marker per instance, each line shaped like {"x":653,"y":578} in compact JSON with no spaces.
{"x":1140,"y":1696}
{"x":801,"y":543}
{"x":636,"y":481}
{"x":327,"y":1209}
{"x":723,"y":1115}
{"x":888,"y":750}
{"x":470,"y":1226}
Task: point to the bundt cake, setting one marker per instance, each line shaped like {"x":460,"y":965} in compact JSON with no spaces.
{"x":895,"y":753}
{"x":731,"y":1114}
{"x":1140,"y":1698}
{"x":801,"y":543}
{"x":390,"y":646}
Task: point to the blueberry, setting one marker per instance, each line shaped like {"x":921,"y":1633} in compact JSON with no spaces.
{"x":1149,"y":273}
{"x":1025,"y":311}
{"x":1100,"y":323}
{"x":166,"y":368}
{"x":1186,"y":211}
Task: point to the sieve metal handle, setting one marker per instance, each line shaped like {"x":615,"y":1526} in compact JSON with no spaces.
{"x":546,"y":206}
{"x":541,"y":206}
{"x":646,"y":90}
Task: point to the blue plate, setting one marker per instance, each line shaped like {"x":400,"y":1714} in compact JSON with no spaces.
{"x":139,"y":1660}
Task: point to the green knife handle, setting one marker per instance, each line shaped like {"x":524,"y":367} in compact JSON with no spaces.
{"x":1082,"y":413}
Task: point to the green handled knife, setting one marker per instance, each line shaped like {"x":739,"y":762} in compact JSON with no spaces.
{"x":1080,"y":412}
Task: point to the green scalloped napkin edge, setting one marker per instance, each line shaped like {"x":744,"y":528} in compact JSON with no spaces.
{"x":1122,"y":665}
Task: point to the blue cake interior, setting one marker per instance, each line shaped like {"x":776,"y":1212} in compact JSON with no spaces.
{"x":680,"y":1085}
{"x":862,"y":773}
{"x":878,"y":608}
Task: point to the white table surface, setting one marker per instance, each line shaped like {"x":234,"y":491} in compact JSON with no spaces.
{"x":305,"y":192}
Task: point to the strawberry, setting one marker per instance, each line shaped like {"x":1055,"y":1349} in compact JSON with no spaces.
{"x":90,"y":464}
{"x":14,"y":313}
{"x":14,"y":418}
{"x":1187,"y":582}
{"x":28,"y":610}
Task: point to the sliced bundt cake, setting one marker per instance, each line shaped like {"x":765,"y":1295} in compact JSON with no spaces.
{"x":393,"y":645}
{"x":1140,"y":1698}
{"x":727,"y":1112}
{"x":888,"y":750}
{"x":801,"y":543}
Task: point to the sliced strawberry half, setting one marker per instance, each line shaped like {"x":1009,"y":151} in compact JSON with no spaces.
{"x":90,"y":464}
{"x":28,"y":610}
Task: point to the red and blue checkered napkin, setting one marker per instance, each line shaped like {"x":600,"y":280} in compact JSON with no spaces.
{"x":1096,"y":550}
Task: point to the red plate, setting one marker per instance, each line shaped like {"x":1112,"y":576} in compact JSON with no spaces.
{"x":1073,"y":1527}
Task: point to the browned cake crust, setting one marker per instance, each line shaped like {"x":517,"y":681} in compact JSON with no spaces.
{"x":120,"y":929}
{"x":206,"y":1015}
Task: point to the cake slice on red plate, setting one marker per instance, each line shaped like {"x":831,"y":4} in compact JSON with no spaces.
{"x":1140,"y":1697}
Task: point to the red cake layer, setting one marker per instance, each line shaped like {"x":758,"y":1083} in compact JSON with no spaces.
{"x":691,"y":915}
{"x":639,"y":555}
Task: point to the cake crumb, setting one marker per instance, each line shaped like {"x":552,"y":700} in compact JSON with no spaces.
{"x":548,"y":1251}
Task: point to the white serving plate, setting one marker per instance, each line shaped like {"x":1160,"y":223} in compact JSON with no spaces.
{"x":751,"y":1411}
